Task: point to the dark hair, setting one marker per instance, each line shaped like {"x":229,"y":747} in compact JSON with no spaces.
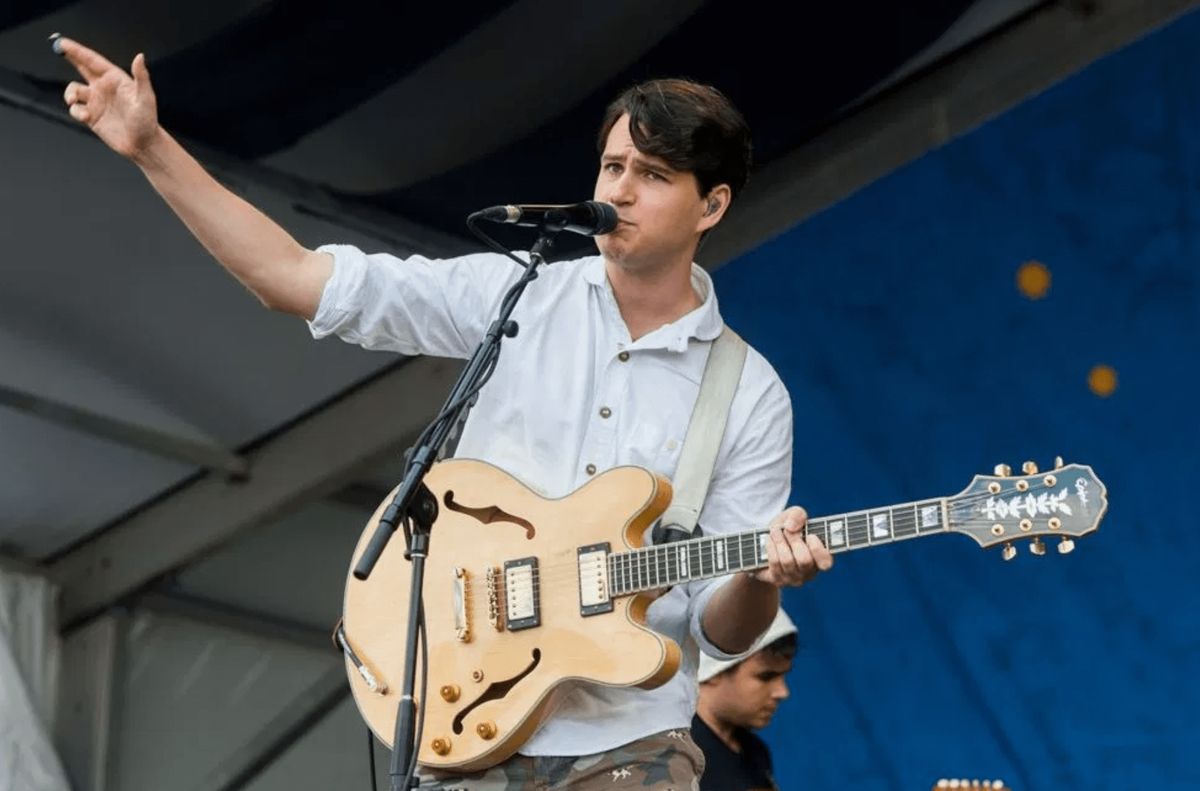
{"x":784,"y":647}
{"x":691,"y":127}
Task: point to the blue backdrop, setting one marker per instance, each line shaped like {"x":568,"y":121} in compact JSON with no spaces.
{"x":914,"y":360}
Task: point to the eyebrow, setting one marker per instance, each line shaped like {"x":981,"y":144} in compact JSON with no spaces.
{"x":640,"y":159}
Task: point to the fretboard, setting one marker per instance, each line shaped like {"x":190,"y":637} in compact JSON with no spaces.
{"x":660,"y":566}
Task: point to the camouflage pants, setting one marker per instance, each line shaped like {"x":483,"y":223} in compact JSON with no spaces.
{"x":667,"y":761}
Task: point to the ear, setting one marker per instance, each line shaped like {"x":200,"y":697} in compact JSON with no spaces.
{"x":713,"y":207}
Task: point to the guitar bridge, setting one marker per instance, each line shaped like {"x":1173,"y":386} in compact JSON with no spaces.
{"x":593,"y":579}
{"x":462,"y":615}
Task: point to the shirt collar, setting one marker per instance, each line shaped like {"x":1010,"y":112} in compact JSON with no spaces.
{"x":704,"y":323}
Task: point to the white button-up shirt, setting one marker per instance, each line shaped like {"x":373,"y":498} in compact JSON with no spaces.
{"x":574,"y":394}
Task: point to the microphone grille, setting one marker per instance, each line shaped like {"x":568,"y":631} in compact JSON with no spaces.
{"x":606,"y":216}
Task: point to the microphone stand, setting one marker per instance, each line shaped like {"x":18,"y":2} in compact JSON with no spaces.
{"x":414,"y":504}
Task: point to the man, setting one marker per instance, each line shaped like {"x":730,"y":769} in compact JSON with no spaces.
{"x":735,"y":697}
{"x":605,"y":371}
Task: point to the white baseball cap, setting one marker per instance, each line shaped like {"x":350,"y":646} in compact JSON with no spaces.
{"x":782,"y":625}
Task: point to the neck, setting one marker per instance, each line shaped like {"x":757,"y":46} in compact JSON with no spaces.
{"x":725,"y":731}
{"x":651,"y":297}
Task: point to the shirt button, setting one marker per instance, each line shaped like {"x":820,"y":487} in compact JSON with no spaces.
{"x":623,"y":357}
{"x":605,"y":412}
{"x":590,"y":469}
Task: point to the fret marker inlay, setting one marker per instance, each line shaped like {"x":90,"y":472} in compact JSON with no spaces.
{"x":879,"y":526}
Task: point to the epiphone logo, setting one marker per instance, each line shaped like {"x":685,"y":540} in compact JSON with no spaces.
{"x":1042,"y":504}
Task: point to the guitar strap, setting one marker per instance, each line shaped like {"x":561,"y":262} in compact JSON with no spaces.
{"x":722,"y":372}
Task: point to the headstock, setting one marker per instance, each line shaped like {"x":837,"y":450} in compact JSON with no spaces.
{"x":992,"y":785}
{"x":1066,"y":502}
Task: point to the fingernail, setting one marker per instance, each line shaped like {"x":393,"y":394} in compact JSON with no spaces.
{"x":56,"y":43}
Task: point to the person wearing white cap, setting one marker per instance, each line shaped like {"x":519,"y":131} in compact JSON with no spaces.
{"x":737,"y":696}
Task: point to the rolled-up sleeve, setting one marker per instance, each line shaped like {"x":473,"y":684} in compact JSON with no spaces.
{"x":414,"y":305}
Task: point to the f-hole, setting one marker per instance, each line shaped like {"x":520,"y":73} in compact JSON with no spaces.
{"x":496,"y":690}
{"x":488,"y":514}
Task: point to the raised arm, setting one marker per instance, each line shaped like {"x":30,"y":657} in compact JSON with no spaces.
{"x":120,"y":108}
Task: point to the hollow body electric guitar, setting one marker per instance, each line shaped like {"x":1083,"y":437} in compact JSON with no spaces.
{"x":526,"y":596}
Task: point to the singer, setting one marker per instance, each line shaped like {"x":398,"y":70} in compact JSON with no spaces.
{"x":604,"y":371}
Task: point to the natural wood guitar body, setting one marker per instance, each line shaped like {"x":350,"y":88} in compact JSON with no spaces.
{"x":489,"y":692}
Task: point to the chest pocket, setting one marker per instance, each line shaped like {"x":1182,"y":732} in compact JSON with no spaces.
{"x":654,"y":446}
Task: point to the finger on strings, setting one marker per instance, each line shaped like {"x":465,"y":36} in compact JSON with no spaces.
{"x":783,"y":548}
{"x":795,"y":519}
{"x":822,"y":556}
{"x":806,"y":567}
{"x":89,"y":63}
{"x":80,"y":113}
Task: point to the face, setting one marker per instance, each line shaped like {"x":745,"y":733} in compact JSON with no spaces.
{"x":748,"y":695}
{"x":661,"y":210}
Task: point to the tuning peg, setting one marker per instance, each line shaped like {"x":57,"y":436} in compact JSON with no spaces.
{"x":1058,"y":462}
{"x":1037,"y":547}
{"x":1029,"y":468}
{"x":1065,"y":546}
{"x":1002,"y":470}
{"x":1009,"y":552}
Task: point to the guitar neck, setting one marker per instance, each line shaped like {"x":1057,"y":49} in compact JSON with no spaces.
{"x":661,"y":566}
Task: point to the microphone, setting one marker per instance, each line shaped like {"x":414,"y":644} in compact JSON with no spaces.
{"x":590,"y":218}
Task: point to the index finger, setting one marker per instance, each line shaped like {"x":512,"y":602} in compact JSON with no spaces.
{"x":89,"y":63}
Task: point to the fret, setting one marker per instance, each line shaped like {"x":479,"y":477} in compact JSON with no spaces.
{"x":693,"y":560}
{"x":930,"y":519}
{"x":707,"y":567}
{"x":857,"y":531}
{"x":719,"y":554}
{"x":904,"y":521}
{"x":669,"y":558}
{"x":816,"y":527}
{"x":837,"y":533}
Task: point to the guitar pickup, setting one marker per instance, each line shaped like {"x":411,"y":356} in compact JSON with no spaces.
{"x":521,"y":599}
{"x":592,"y":563}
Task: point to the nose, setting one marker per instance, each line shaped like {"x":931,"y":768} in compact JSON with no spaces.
{"x":780,"y":690}
{"x":620,"y":190}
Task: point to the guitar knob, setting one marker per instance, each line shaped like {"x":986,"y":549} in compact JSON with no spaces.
{"x":1029,"y":468}
{"x":1058,"y":463}
{"x":1037,"y":547}
{"x":486,"y":730}
{"x":1065,"y":546}
{"x":1002,"y":471}
{"x":441,"y":745}
{"x":450,"y":692}
{"x":1009,"y":552}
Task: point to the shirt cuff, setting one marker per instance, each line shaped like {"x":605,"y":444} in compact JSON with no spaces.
{"x":349,"y":271}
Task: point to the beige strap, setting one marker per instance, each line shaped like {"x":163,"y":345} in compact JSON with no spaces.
{"x":722,"y":373}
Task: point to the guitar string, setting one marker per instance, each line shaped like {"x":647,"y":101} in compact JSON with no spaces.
{"x":629,"y":564}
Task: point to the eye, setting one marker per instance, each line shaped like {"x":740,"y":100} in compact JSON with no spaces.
{"x":612,"y":167}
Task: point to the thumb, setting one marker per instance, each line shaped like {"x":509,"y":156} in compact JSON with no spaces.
{"x":141,"y":74}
